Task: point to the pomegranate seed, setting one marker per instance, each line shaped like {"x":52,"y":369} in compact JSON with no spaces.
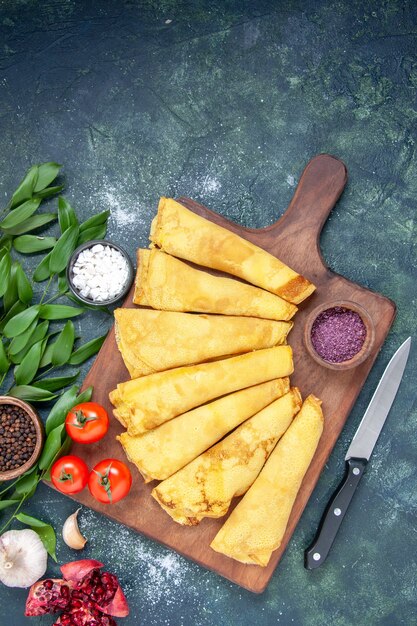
{"x":76,"y":604}
{"x":84,"y":602}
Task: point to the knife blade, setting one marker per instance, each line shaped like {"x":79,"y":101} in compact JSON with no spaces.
{"x":357,"y":457}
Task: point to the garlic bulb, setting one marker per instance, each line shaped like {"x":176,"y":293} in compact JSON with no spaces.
{"x":71,"y":533}
{"x":22,"y":558}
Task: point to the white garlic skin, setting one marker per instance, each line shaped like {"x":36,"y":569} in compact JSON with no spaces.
{"x":71,"y":532}
{"x":23,"y":558}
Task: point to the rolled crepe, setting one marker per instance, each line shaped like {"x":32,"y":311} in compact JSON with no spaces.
{"x":153,"y":341}
{"x":168,"y":284}
{"x":182,"y":233}
{"x":144,"y":403}
{"x":206,"y":486}
{"x":257,"y":525}
{"x":161,"y":452}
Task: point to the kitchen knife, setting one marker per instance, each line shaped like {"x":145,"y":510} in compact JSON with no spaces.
{"x":357,"y":457}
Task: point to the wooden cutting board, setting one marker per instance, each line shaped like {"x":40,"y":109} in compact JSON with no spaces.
{"x":295,"y":240}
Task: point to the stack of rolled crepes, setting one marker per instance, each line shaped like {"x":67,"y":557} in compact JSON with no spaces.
{"x":209,"y":409}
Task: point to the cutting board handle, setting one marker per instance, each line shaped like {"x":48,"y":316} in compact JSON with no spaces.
{"x":318,"y":190}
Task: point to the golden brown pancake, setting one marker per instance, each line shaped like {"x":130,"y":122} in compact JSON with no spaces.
{"x":168,"y":284}
{"x":184,"y":234}
{"x":154,"y":341}
{"x":161,"y":452}
{"x":206,"y":486}
{"x":257,"y":525}
{"x":144,"y":403}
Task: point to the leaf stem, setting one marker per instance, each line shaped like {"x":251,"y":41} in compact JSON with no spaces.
{"x":9,"y":486}
{"x":44,"y":373}
{"x":45,"y":291}
{"x":15,"y":512}
{"x":56,"y":296}
{"x":6,"y":210}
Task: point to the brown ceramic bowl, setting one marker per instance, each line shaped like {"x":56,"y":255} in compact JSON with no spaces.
{"x":40,"y":436}
{"x":360,"y":356}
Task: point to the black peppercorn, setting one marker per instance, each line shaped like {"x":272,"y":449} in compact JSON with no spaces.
{"x":17,"y":437}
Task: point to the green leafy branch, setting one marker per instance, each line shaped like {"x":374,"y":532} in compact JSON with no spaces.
{"x":30,"y":349}
{"x":26,"y":343}
{"x":57,"y":443}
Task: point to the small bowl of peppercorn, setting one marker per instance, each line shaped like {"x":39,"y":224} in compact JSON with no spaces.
{"x":21,"y":437}
{"x":339,"y":335}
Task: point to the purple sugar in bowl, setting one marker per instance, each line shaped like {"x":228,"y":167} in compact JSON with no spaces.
{"x":339,"y":335}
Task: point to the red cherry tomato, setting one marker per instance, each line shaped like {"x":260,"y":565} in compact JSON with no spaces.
{"x":87,"y":422}
{"x":110,"y":481}
{"x":69,"y":474}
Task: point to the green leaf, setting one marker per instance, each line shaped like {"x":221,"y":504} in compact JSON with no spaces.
{"x":60,"y":409}
{"x":36,"y":221}
{"x":42,"y":271}
{"x":24,"y":288}
{"x":62,"y":283}
{"x":49,"y":191}
{"x":95,"y":220}
{"x":25,"y":372}
{"x":47,"y":172}
{"x":58,"y":311}
{"x":20,"y":322}
{"x":31,"y":394}
{"x":18,"y":343}
{"x":4,"y":504}
{"x":54,"y":384}
{"x":26,"y":187}
{"x":51,"y":447}
{"x":63,"y":345}
{"x":45,"y":531}
{"x":19,"y":215}
{"x":30,"y":521}
{"x":84,"y":396}
{"x":63,"y":249}
{"x":5,"y":244}
{"x":27,"y":482}
{"x":4,"y":361}
{"x":84,"y":352}
{"x":11,"y":295}
{"x":47,"y":353}
{"x":40,"y":332}
{"x":66,"y":215}
{"x":18,"y":307}
{"x":47,"y":356}
{"x":5,"y":267}
{"x":65,"y":449}
{"x":27,"y":244}
{"x":97,"y":232}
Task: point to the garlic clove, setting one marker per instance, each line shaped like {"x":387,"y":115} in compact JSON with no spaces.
{"x":23,"y":558}
{"x":71,"y":532}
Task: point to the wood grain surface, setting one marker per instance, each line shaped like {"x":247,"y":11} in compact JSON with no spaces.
{"x":295,"y":240}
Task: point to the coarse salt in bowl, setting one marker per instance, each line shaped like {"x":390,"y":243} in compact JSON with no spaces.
{"x":100,"y":273}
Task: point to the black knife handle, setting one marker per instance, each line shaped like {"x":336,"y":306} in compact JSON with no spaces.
{"x":335,"y":511}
